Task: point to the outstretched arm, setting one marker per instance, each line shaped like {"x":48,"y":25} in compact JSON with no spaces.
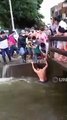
{"x":45,"y":65}
{"x":33,"y":67}
{"x":44,"y":54}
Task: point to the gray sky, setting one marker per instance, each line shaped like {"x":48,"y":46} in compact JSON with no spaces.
{"x":45,"y":8}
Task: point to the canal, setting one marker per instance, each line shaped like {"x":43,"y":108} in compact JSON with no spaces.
{"x":28,"y":99}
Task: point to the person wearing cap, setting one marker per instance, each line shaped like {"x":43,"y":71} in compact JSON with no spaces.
{"x":62,"y":26}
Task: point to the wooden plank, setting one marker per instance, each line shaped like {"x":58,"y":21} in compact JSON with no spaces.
{"x":57,"y":50}
{"x":57,"y":38}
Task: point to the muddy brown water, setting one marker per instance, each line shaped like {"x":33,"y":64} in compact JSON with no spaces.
{"x":27,"y":99}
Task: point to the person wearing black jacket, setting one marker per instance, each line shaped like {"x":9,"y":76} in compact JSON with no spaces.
{"x":22,"y":46}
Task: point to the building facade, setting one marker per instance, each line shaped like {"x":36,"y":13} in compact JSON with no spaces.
{"x":60,"y":9}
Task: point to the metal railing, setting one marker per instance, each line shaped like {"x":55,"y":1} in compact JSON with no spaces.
{"x":53,"y":49}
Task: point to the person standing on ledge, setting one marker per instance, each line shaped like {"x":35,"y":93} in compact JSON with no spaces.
{"x":41,"y":72}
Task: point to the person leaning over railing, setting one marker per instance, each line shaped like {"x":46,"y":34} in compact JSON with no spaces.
{"x":61,"y":31}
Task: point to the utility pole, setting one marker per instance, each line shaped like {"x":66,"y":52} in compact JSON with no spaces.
{"x":12,"y":20}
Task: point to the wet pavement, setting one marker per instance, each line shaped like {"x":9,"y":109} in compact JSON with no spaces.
{"x":27,"y":99}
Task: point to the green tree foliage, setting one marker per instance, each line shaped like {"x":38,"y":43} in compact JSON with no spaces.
{"x":25,"y":13}
{"x":65,"y":1}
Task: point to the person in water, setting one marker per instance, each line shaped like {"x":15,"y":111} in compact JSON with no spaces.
{"x":41,"y":72}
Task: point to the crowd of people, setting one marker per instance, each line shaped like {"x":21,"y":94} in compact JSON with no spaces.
{"x":59,"y":28}
{"x":28,"y":42}
{"x":33,"y":44}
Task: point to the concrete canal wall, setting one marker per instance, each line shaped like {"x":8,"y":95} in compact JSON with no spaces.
{"x":18,"y":70}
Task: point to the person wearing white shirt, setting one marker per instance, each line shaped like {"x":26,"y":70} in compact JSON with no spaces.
{"x":4,"y":46}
